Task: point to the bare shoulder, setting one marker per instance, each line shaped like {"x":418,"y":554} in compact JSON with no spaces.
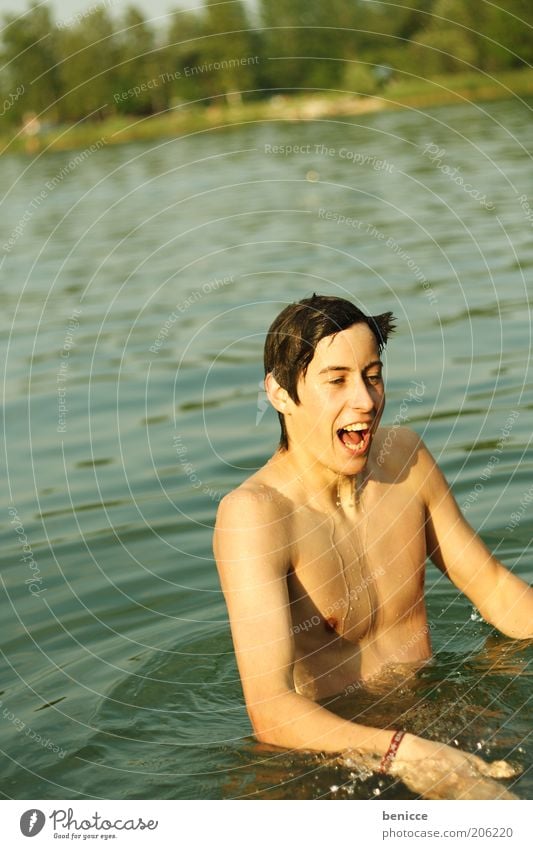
{"x":252,"y":526}
{"x":252,"y":501}
{"x":402,"y":456}
{"x":397,"y":449}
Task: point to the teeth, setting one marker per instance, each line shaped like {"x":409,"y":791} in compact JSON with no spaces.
{"x":356,"y":426}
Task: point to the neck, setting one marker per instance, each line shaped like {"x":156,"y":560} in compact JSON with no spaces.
{"x":323,"y":487}
{"x":350,"y":489}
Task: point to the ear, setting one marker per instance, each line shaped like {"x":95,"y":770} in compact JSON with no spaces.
{"x":277,"y":396}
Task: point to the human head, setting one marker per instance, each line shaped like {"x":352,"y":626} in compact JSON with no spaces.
{"x":294,"y":334}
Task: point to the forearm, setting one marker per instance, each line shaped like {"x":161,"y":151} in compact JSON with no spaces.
{"x":433,"y":770}
{"x":295,"y":722}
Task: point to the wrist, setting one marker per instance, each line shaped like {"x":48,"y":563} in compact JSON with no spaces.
{"x":415,"y":748}
{"x":391,"y":752}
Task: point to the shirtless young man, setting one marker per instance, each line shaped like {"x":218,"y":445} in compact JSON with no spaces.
{"x":333,"y":534}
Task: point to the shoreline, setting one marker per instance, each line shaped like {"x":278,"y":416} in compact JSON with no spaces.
{"x":185,"y":119}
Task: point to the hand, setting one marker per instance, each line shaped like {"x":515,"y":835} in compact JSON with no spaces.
{"x":448,"y":773}
{"x":437,"y":771}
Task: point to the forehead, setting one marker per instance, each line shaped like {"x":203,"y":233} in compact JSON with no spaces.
{"x":354,"y":347}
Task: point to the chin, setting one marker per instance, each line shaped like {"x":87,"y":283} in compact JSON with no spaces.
{"x":353,"y":467}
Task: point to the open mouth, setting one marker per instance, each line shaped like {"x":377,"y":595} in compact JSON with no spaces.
{"x":355,"y":437}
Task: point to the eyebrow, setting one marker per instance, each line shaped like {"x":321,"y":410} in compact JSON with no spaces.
{"x":347,"y":368}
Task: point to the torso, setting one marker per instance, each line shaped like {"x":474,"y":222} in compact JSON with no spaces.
{"x":356,"y":581}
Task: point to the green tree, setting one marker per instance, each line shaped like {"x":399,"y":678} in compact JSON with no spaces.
{"x":89,"y":70}
{"x":29,"y":53}
{"x":384,"y":31}
{"x":457,"y":31}
{"x":229,"y":45}
{"x":510,"y":26}
{"x":444,"y":51}
{"x":489,"y":36}
{"x":306,"y":41}
{"x":141,"y":65}
{"x":183,"y":50}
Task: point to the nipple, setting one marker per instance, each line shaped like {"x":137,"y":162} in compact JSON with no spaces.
{"x":330,"y":624}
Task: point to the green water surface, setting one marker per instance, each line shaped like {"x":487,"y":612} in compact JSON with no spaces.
{"x":137,"y":294}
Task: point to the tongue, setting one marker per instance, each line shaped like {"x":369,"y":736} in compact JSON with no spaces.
{"x":352,"y":437}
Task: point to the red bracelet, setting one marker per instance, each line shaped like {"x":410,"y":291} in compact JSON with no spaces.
{"x":390,"y":754}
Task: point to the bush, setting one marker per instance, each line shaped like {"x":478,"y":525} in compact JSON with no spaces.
{"x":360,"y":79}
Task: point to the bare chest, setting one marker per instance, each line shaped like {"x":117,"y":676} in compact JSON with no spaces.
{"x":360,"y":573}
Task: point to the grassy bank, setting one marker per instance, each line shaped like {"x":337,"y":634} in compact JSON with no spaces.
{"x":185,"y":119}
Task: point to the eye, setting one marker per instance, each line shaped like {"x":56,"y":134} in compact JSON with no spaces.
{"x":374,"y":379}
{"x":336,"y":380}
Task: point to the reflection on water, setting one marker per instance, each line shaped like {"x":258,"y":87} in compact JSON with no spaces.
{"x":113,"y":306}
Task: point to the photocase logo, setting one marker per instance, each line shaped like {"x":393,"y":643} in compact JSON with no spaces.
{"x":32,"y":822}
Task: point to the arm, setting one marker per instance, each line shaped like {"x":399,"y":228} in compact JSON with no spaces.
{"x":503,"y":599}
{"x":253,"y":558}
{"x":252,"y":550}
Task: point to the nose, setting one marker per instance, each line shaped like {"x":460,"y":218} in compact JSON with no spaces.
{"x":361,"y":397}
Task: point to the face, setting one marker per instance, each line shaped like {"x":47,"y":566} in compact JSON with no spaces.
{"x":341,"y":401}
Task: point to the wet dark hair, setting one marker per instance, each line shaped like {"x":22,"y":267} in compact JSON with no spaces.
{"x":296,"y":331}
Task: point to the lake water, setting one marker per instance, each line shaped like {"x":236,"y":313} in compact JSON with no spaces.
{"x":137,"y":285}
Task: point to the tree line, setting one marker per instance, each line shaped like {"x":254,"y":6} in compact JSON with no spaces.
{"x":102,"y":63}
